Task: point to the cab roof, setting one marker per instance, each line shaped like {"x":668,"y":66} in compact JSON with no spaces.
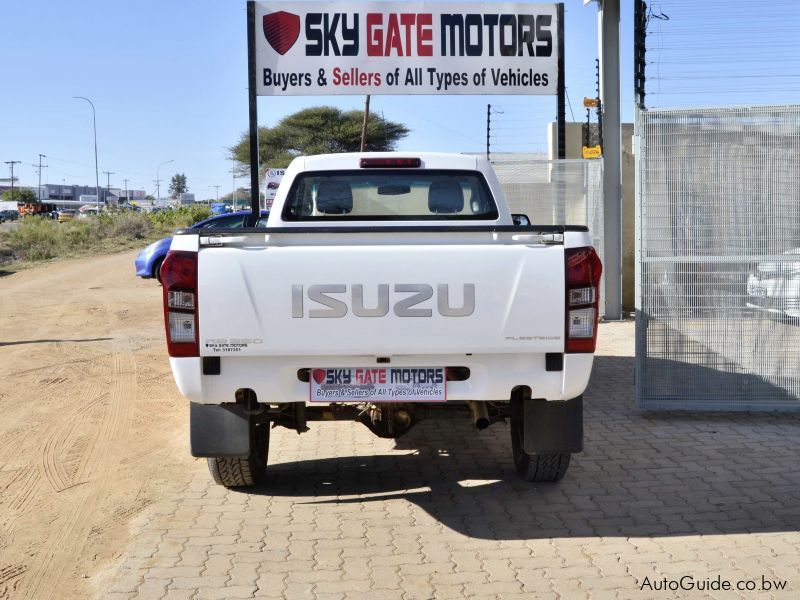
{"x":351,"y":160}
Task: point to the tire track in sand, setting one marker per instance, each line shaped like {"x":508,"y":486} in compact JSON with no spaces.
{"x":38,"y":402}
{"x":51,"y":459}
{"x":41,"y":582}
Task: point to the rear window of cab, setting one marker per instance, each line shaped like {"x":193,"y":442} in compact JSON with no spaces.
{"x":389,"y":195}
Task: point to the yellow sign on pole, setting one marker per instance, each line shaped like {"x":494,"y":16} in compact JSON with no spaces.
{"x":591,"y":102}
{"x":592,"y":152}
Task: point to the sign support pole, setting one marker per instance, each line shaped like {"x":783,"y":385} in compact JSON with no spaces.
{"x":255,"y":204}
{"x":561,"y":116}
{"x":612,"y":188}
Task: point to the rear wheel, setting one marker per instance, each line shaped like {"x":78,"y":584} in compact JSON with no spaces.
{"x":233,"y":471}
{"x":533,"y":467}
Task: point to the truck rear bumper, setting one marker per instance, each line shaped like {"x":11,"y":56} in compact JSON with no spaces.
{"x":274,"y":379}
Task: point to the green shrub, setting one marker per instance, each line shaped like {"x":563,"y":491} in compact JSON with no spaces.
{"x":35,"y":239}
{"x":169,"y":220}
{"x":81,"y":233}
{"x":38,"y":239}
{"x":131,"y":225}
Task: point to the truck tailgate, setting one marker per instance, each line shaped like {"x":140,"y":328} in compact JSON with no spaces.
{"x":249,"y":300}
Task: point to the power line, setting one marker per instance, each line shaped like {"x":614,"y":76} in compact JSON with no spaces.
{"x":572,"y":114}
{"x":722,"y":50}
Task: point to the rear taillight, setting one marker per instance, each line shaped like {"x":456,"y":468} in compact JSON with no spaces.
{"x":179,"y":278}
{"x":583,"y":270}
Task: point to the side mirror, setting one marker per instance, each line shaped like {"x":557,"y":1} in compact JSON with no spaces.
{"x":521,"y":220}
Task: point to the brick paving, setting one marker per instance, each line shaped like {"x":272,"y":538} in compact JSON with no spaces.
{"x":441,"y":514}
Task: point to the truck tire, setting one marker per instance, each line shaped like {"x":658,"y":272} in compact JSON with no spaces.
{"x":234,"y":471}
{"x":534,"y":467}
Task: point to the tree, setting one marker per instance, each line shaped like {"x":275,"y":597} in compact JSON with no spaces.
{"x":318,"y":130}
{"x":178,"y":185}
{"x":24,"y":195}
{"x":242,"y":197}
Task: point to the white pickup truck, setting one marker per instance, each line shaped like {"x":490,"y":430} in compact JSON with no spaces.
{"x":385,"y":288}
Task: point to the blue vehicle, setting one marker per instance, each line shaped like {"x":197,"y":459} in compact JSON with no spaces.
{"x":148,"y":262}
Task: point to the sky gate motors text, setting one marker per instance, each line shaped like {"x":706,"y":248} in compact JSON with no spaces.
{"x":378,"y":376}
{"x":411,"y":34}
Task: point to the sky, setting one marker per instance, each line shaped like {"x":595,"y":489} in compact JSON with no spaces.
{"x":168,"y":79}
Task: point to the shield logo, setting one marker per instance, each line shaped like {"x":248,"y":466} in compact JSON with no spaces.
{"x":319,"y":375}
{"x":281,"y":30}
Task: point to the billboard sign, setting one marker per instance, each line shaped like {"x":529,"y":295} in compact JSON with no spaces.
{"x":274,"y":177}
{"x":325,"y":48}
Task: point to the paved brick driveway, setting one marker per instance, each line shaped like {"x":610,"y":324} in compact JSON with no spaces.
{"x":441,"y":514}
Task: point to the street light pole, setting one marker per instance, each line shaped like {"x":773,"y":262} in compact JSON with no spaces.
{"x":127,"y":199}
{"x":96,"y":169}
{"x":158,"y":181}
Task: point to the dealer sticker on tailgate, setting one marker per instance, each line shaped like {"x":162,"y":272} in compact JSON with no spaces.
{"x":384,"y":384}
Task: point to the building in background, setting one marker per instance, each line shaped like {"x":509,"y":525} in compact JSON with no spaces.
{"x":70,"y":195}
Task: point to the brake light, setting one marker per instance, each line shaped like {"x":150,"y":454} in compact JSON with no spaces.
{"x":179,"y":278}
{"x":583,"y":271}
{"x":390,"y":163}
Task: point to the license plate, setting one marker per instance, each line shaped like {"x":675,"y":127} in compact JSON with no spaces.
{"x":382,"y":384}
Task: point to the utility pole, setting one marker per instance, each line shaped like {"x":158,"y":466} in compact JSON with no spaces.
{"x":217,"y":188}
{"x":158,"y":179}
{"x":11,"y":163}
{"x":364,"y":124}
{"x":488,"y":127}
{"x":127,"y":199}
{"x":599,"y":106}
{"x":233,"y":183}
{"x":39,"y":191}
{"x":108,"y":183}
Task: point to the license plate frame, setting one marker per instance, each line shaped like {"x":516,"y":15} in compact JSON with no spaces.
{"x":366,"y":384}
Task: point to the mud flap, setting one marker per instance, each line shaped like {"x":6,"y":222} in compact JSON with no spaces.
{"x":554,"y":427}
{"x":218,"y":430}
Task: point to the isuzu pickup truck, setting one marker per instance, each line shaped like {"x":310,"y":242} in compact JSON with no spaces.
{"x":386,"y":289}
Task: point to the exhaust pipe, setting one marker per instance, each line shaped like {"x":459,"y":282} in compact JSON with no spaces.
{"x":401,"y":419}
{"x":480,"y":416}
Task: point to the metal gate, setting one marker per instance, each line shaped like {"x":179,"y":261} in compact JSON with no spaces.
{"x":718,"y":259}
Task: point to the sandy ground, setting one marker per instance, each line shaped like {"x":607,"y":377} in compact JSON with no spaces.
{"x":93,"y":429}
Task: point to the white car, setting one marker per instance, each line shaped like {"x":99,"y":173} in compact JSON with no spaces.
{"x":385,"y":287}
{"x":775,"y":286}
